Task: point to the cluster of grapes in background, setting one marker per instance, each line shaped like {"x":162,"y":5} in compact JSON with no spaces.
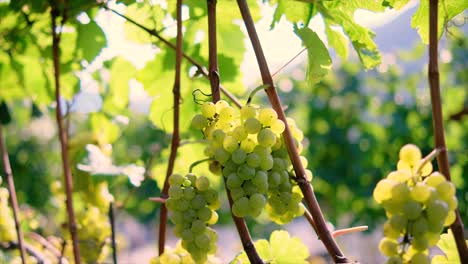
{"x":192,"y":203}
{"x":7,"y":223}
{"x":419,"y":203}
{"x":248,"y":146}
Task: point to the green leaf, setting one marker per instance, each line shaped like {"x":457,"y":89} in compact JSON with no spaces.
{"x":105,"y":132}
{"x":319,"y":59}
{"x":116,"y":98}
{"x":448,"y":246}
{"x":90,"y":41}
{"x":282,"y":248}
{"x":296,"y":12}
{"x":447,"y":10}
{"x":338,"y":41}
{"x":361,"y":37}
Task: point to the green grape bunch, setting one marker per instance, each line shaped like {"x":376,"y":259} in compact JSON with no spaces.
{"x":192,"y":204}
{"x":419,"y":203}
{"x":248,"y":147}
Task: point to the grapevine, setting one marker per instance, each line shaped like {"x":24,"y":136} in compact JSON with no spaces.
{"x":419,"y":203}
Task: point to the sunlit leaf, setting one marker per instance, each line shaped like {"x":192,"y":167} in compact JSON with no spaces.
{"x":319,"y":59}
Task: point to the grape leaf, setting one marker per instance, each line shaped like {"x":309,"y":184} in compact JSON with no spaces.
{"x":319,"y":59}
{"x":397,"y":4}
{"x":90,"y":40}
{"x":280,"y":249}
{"x":338,"y":41}
{"x":448,"y":246}
{"x":294,"y":12}
{"x":116,"y":98}
{"x":447,"y":10}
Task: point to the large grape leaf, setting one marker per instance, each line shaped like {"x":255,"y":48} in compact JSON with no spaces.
{"x":90,"y":40}
{"x":145,"y":14}
{"x":282,"y":248}
{"x":318,"y":57}
{"x":296,"y":12}
{"x":448,"y":246}
{"x":447,"y":10}
{"x":338,"y":41}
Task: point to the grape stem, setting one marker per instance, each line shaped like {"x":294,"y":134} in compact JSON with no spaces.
{"x":13,"y":200}
{"x":198,"y":162}
{"x":200,"y":68}
{"x":112,"y":224}
{"x":158,"y":199}
{"x":438,"y":122}
{"x":62,"y":133}
{"x":309,"y":196}
{"x":252,"y":94}
{"x":175,"y":135}
{"x":428,"y":159}
{"x":241,"y":226}
{"x":335,"y":233}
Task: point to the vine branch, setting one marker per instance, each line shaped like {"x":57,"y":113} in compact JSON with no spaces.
{"x":63,"y":136}
{"x":112,"y":224}
{"x":175,"y":135}
{"x":438,"y":122}
{"x":306,"y":188}
{"x":241,"y":226}
{"x":156,"y":34}
{"x":41,"y":259}
{"x":13,"y":199}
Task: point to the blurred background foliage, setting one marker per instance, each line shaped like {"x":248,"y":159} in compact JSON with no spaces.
{"x":354,"y":121}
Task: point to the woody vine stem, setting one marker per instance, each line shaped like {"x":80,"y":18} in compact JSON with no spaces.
{"x":438,"y":122}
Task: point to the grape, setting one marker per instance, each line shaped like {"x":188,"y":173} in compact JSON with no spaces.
{"x":420,"y":258}
{"x":238,"y":156}
{"x":383,"y":190}
{"x":266,"y":162}
{"x":394,"y":260}
{"x":247,"y":145}
{"x":221,"y":104}
{"x":388,"y":247}
{"x":208,"y":109}
{"x":277,"y":127}
{"x":240,"y":207}
{"x":420,"y":192}
{"x":199,"y":122}
{"x":445,"y":190}
{"x":253,"y":160}
{"x":248,"y":111}
{"x":252,"y":125}
{"x":218,"y":136}
{"x":176,"y":192}
{"x":412,"y":209}
{"x":176,"y":179}
{"x":434,"y":179}
{"x":266,"y":137}
{"x":399,"y":176}
{"x":245,"y":172}
{"x":234,"y":181}
{"x":267,"y":116}
{"x":230,"y":144}
{"x":410,"y":154}
{"x":400,"y":192}
{"x":451,"y":216}
{"x":239,"y":133}
{"x":221,"y":155}
{"x":202,"y":183}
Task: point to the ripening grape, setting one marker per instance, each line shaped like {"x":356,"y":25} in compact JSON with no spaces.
{"x":208,"y":110}
{"x":191,"y":207}
{"x":419,"y":203}
{"x":7,"y":223}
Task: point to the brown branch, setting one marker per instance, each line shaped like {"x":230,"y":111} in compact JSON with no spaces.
{"x":200,"y":68}
{"x":13,"y":199}
{"x":67,"y":174}
{"x":241,"y":226}
{"x":41,"y":259}
{"x":306,"y":188}
{"x":438,"y":122}
{"x":175,"y":134}
{"x":112,"y":224}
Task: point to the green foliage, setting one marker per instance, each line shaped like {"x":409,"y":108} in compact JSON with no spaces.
{"x":319,"y":59}
{"x":447,"y":10}
{"x":449,"y":248}
{"x":281,"y":248}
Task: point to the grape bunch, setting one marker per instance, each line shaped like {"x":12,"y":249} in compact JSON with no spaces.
{"x":284,"y":196}
{"x":179,"y":255}
{"x":247,"y":145}
{"x":192,"y":203}
{"x":419,"y":203}
{"x":7,"y":223}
